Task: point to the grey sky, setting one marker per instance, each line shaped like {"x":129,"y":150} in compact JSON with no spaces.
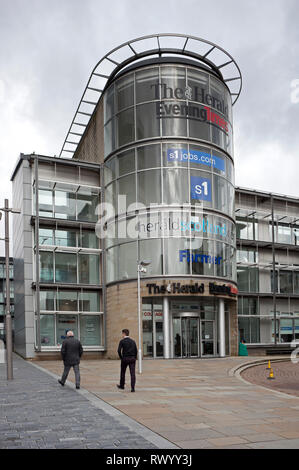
{"x":48,"y":49}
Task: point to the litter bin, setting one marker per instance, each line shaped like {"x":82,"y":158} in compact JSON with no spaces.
{"x":243,"y":349}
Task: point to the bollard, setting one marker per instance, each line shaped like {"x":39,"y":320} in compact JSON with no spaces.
{"x":271,"y":375}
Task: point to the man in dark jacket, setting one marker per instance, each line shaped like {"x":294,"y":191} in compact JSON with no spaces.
{"x":127,"y":351}
{"x":71,"y":352}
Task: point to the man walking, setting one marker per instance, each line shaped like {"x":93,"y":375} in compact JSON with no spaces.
{"x":71,"y":352}
{"x":127,"y":351}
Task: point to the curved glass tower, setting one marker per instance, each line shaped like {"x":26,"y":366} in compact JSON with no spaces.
{"x":164,"y":123}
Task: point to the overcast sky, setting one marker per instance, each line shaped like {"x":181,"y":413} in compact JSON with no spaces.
{"x":49,"y":47}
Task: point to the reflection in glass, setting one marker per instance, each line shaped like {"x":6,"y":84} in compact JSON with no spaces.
{"x":46,"y":266}
{"x":47,"y":300}
{"x":47,"y":332}
{"x":90,"y":330}
{"x":68,"y":301}
{"x":125,"y":127}
{"x":66,"y":267}
{"x":65,"y":323}
{"x":89,"y":269}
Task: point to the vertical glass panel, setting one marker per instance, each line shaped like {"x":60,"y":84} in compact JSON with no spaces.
{"x":255,"y":330}
{"x":184,"y":337}
{"x":147,"y":120}
{"x":89,"y":269}
{"x":148,"y":156}
{"x":45,"y":202}
{"x":68,"y":301}
{"x":125,"y":127}
{"x":128,"y":260}
{"x":65,"y":205}
{"x":173,"y":82}
{"x":89,"y":239}
{"x":202,"y":255}
{"x":149,"y":187}
{"x":127,"y":189}
{"x":147,"y":326}
{"x":174,"y":118}
{"x":152,"y":250}
{"x":109,"y":136}
{"x":65,"y":238}
{"x":110,"y":170}
{"x":112,"y":264}
{"x":176,"y":256}
{"x":159,"y":339}
{"x":46,"y":266}
{"x":109,"y":103}
{"x":193,"y":332}
{"x":177,"y":337}
{"x":110,"y":198}
{"x":89,"y":301}
{"x":126,"y":162}
{"x":124,"y":92}
{"x":175,"y":186}
{"x":90,"y":330}
{"x":147,"y":85}
{"x":244,"y":329}
{"x":65,"y":323}
{"x":231,"y":200}
{"x":199,"y":82}
{"x":286,"y":330}
{"x":47,"y":332}
{"x":66,"y":267}
{"x":47,"y":300}
{"x":284,"y":234}
{"x":220,"y":193}
{"x":199,"y":128}
{"x":201,"y":188}
{"x":286,"y":282}
{"x":46,"y":236}
{"x":175,"y":155}
{"x":87,"y":202}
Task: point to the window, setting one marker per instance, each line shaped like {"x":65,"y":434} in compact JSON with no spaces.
{"x":46,"y":266}
{"x":176,"y":186}
{"x":127,"y":261}
{"x":89,"y":239}
{"x":47,"y":300}
{"x":152,"y":250}
{"x":65,"y":238}
{"x":147,"y":85}
{"x":65,"y":323}
{"x":46,"y":237}
{"x":125,"y":127}
{"x":87,"y":202}
{"x":147,"y":121}
{"x":66,"y":267}
{"x":45,"y":202}
{"x":90,"y":330}
{"x":68,"y":301}
{"x":65,"y":205}
{"x":124,"y":92}
{"x":89,"y":269}
{"x":47,"y":332}
{"x":148,"y":156}
{"x":89,"y":301}
{"x":126,"y":162}
{"x":149,"y":187}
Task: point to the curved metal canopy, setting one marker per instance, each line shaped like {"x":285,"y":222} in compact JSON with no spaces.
{"x":164,"y":44}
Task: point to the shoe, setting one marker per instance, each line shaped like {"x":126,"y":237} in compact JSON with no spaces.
{"x":77,"y":387}
{"x":132,"y":390}
{"x":61,"y":383}
{"x":121,"y":388}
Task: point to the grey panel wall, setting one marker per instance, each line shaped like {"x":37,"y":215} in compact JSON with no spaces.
{"x":22,"y":252}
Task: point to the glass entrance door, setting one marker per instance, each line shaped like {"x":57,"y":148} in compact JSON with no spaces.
{"x":207,"y":338}
{"x":186,"y":337}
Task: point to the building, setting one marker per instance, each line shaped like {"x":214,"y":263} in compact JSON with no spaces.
{"x":3,"y":293}
{"x":267,"y":241}
{"x":150,"y":182}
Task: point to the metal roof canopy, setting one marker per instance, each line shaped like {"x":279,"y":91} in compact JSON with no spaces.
{"x":193,"y":47}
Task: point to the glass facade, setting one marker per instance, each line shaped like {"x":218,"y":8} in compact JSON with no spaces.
{"x":193,"y":171}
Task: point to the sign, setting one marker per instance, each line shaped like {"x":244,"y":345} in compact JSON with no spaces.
{"x":201,"y":188}
{"x":196,"y":156}
{"x":198,"y":258}
{"x":176,"y":288}
{"x":224,"y":289}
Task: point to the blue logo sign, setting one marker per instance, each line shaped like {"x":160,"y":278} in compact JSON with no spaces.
{"x":196,"y":156}
{"x":198,"y":258}
{"x":201,"y":188}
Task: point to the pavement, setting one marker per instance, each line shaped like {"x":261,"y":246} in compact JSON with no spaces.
{"x":185,"y":404}
{"x":198,"y":404}
{"x":38,"y":413}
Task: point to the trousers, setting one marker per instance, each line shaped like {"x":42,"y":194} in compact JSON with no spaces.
{"x":66,"y":373}
{"x":125,"y":362}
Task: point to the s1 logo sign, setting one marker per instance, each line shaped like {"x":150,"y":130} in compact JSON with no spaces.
{"x":201,"y":188}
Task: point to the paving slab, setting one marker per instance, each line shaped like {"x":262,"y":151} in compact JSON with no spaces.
{"x":197,"y":403}
{"x":36,"y":412}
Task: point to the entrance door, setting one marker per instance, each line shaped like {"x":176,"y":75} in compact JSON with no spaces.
{"x":186,"y":337}
{"x":207,"y":338}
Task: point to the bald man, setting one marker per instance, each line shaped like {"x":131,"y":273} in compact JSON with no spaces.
{"x":71,"y":352}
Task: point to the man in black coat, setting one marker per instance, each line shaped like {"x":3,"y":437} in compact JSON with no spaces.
{"x":71,"y":352}
{"x":127,"y":351}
